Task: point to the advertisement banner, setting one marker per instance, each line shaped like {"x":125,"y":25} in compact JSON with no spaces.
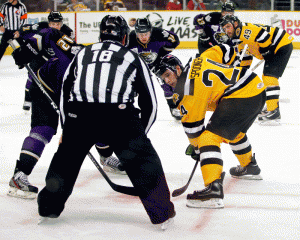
{"x":181,"y":23}
{"x":86,"y":24}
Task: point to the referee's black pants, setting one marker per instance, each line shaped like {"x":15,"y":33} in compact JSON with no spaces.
{"x":89,"y":123}
{"x":8,"y":34}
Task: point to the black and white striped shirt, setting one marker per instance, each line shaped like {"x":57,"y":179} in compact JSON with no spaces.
{"x":13,"y":17}
{"x":108,"y":72}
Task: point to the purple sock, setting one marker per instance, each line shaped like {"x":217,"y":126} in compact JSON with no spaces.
{"x":33,"y":147}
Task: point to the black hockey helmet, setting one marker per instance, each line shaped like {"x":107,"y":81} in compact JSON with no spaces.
{"x":228,"y":7}
{"x":167,"y":62}
{"x":55,"y":17}
{"x":232,"y":19}
{"x":114,"y":28}
{"x":143,"y":25}
{"x":229,"y":19}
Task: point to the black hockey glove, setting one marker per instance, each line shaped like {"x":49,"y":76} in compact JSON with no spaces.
{"x":24,"y":54}
{"x":194,"y":153}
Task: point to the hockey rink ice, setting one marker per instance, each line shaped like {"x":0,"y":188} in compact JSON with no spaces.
{"x":267,"y":209}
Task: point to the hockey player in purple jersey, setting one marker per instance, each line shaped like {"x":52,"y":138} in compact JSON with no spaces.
{"x":55,"y":20}
{"x":209,"y":29}
{"x":152,"y":44}
{"x":49,"y":52}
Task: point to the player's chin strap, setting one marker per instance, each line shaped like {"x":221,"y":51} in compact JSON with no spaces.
{"x":118,"y":188}
{"x":241,"y":56}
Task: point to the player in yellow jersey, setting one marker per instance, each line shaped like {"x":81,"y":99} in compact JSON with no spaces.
{"x":272,"y":44}
{"x":235,"y":95}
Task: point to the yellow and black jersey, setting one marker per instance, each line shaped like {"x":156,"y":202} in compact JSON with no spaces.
{"x":259,"y":36}
{"x":279,"y":37}
{"x":226,"y":54}
{"x":220,"y":53}
{"x":203,"y":84}
{"x":251,"y":33}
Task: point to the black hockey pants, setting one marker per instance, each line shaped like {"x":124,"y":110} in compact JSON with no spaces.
{"x":89,"y":123}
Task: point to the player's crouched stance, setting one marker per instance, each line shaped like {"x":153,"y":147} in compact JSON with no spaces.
{"x":236,"y":96}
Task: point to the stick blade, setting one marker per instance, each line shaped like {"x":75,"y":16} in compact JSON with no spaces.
{"x":179,"y":191}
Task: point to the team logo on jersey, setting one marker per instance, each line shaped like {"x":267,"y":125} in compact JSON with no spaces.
{"x":149,"y":57}
{"x":221,"y":37}
{"x":201,"y":21}
{"x":260,"y":85}
{"x":238,"y":32}
{"x":176,"y":99}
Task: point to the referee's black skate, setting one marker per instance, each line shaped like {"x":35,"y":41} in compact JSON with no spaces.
{"x":209,"y":197}
{"x":20,"y":187}
{"x":250,"y":172}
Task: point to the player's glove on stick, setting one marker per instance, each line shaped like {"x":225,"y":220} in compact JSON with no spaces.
{"x":24,"y":55}
{"x":194,"y":153}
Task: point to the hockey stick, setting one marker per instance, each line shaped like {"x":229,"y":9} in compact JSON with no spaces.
{"x":258,"y":64}
{"x":122,"y":189}
{"x":179,"y":191}
{"x":241,"y":56}
{"x":14,"y":44}
{"x":118,"y":188}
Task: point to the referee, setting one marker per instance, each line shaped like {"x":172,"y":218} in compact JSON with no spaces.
{"x":13,"y":15}
{"x":99,"y":89}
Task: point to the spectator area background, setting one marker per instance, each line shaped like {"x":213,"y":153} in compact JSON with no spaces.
{"x":133,"y":5}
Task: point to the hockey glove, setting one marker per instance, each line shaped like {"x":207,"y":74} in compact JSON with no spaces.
{"x":194,"y":153}
{"x":24,"y":54}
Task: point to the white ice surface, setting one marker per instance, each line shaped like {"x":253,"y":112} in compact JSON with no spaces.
{"x":267,"y":209}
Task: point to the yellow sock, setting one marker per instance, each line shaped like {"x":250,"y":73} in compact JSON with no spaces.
{"x":210,"y":156}
{"x":211,"y":172}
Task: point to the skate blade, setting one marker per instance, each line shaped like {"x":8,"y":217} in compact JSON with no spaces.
{"x":48,"y":219}
{"x":276,"y":122}
{"x":42,"y":220}
{"x":211,"y":203}
{"x":17,"y":193}
{"x":249,"y":177}
{"x":167,"y":224}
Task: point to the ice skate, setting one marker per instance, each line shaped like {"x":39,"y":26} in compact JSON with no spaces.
{"x":176,"y":113}
{"x":209,"y":197}
{"x":270,"y":117}
{"x":21,"y":188}
{"x":112,"y":164}
{"x":42,"y":220}
{"x":168,"y":223}
{"x":250,"y":172}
